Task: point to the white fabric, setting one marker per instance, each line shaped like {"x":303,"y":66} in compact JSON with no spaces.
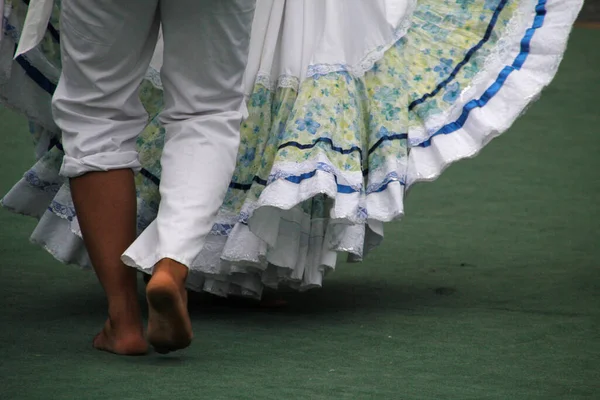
{"x":283,"y":47}
{"x":324,"y":23}
{"x":38,"y":15}
{"x":322,"y":32}
{"x":106,"y":51}
{"x":329,"y":22}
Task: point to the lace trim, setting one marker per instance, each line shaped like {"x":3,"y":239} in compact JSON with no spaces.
{"x":153,"y":76}
{"x":357,"y":71}
{"x":34,"y":180}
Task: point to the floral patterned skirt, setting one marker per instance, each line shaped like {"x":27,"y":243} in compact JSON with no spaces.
{"x":327,"y":156}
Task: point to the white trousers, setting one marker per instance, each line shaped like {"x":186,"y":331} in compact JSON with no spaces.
{"x":106,"y":47}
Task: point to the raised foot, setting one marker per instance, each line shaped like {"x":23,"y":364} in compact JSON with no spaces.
{"x":169,"y":325}
{"x":129,"y":342}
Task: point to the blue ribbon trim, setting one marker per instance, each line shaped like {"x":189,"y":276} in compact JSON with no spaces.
{"x":493,"y":90}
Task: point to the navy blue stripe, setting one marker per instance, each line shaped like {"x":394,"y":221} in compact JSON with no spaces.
{"x":148,"y":175}
{"x":240,"y":186}
{"x":35,"y":74}
{"x":54,"y":142}
{"x":469,"y":55}
{"x":54,"y":32}
{"x":322,"y":140}
{"x":399,"y":136}
{"x":502,"y":77}
{"x":246,"y":187}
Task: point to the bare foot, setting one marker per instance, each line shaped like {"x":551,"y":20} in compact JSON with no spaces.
{"x":126,"y":343}
{"x":169,"y":325}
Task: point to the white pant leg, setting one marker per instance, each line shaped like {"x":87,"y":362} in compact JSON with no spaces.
{"x":106,"y":49}
{"x":205,"y":53}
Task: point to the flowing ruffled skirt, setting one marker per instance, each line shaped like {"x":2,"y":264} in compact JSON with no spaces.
{"x":349,"y":105}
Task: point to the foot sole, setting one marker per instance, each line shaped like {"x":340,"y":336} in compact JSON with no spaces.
{"x":169,"y":326}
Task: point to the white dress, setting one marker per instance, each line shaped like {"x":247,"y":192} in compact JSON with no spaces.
{"x":350,"y":103}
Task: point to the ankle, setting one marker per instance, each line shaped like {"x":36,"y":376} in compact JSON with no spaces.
{"x":127,"y":324}
{"x":177,"y":271}
{"x":125,"y":312}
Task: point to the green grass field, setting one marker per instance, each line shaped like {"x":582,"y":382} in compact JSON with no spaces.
{"x":488,"y":289}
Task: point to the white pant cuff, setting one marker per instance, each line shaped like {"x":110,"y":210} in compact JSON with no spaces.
{"x":100,"y":162}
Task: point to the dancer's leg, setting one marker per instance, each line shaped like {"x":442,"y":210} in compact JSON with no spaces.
{"x":206,"y":46}
{"x":106,"y":210}
{"x":106,"y":49}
